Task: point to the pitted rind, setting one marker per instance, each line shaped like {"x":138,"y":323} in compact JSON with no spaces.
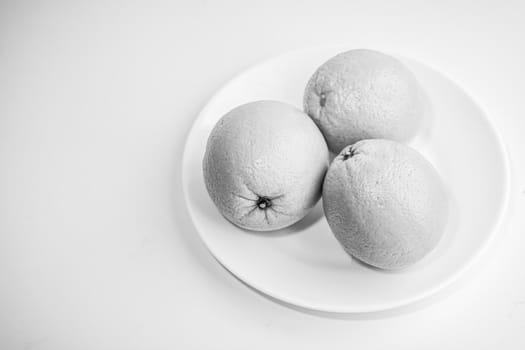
{"x":368,"y":95}
{"x":386,"y":205}
{"x":265,"y":149}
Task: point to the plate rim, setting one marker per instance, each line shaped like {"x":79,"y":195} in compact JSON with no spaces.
{"x":366,"y":308}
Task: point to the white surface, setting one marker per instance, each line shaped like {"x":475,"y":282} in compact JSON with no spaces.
{"x":96,"y":247}
{"x":304,"y":265}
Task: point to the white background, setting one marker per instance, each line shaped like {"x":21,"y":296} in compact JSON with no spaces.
{"x":96,"y":247}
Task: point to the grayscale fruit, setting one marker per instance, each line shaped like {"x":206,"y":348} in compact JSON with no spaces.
{"x":363,"y":94}
{"x":264,"y":165}
{"x":385,"y":203}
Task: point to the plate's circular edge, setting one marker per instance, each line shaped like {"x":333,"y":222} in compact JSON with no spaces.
{"x":365,"y":308}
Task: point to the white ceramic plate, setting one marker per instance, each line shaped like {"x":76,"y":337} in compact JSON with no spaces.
{"x":304,"y":264}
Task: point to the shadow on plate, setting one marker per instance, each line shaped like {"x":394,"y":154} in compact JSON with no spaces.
{"x":372,"y":315}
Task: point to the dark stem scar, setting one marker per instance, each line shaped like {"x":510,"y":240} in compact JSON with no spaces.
{"x":264,"y":202}
{"x":349,"y":153}
{"x":322,"y":99}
